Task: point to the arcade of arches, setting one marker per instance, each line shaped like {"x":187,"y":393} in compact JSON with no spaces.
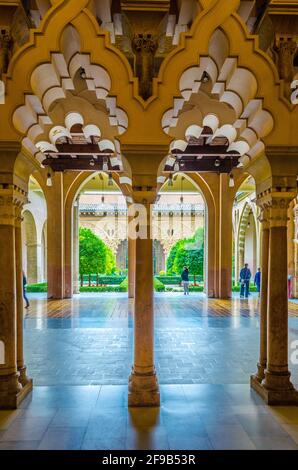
{"x":189,"y":106}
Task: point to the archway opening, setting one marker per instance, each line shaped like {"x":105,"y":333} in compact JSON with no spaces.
{"x":179,"y":232}
{"x":100,"y":248}
{"x":34,"y":235}
{"x":246,"y":236}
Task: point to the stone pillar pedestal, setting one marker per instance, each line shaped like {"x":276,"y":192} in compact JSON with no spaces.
{"x":262,"y":364}
{"x":143,"y":384}
{"x":277,"y":388}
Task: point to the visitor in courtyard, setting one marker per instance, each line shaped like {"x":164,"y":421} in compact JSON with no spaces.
{"x":24,"y":291}
{"x":257,"y":281}
{"x":245,"y":276}
{"x":185,"y":280}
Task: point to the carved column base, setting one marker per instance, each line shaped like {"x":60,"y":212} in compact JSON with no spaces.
{"x":286,"y":396}
{"x":260,"y":374}
{"x":24,"y":379}
{"x":143,"y":390}
{"x":11,"y":391}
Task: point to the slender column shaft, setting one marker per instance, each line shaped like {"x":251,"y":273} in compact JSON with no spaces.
{"x":225,"y":239}
{"x":262,"y":364}
{"x":277,"y":374}
{"x":55,"y":238}
{"x":76,"y":257}
{"x":131,"y":267}
{"x":143,"y":388}
{"x":9,"y":384}
{"x":276,"y":388}
{"x":20,"y":303}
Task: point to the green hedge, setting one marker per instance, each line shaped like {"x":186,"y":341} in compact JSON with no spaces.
{"x":100,"y":289}
{"x":115,"y":280}
{"x":176,"y":280}
{"x":191,"y":289}
{"x":37,"y":287}
{"x":252,"y":288}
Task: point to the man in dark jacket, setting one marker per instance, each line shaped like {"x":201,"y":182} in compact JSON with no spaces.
{"x":185,"y":280}
{"x":245,"y":275}
{"x":24,"y":291}
{"x":258,"y":280}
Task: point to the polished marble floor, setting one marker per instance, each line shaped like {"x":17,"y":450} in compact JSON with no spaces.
{"x":88,"y":340}
{"x":191,"y":417}
{"x":79,"y":353}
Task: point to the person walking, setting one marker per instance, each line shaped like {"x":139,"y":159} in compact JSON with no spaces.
{"x":257,"y":281}
{"x":245,"y":276}
{"x":24,"y":291}
{"x":185,"y":280}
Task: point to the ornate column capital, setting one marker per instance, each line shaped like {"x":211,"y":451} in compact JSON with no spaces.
{"x":12,"y":200}
{"x":275,"y":205}
{"x":263,"y":218}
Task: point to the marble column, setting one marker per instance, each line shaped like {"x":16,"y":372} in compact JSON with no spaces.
{"x":225,"y":238}
{"x":131,"y":267}
{"x":143,"y":384}
{"x":262,"y":364}
{"x":10,"y":387}
{"x":23,"y":379}
{"x":55,"y":238}
{"x":277,"y":388}
{"x":76,"y":256}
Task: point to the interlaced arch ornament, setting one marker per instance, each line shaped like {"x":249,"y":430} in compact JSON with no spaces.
{"x":240,"y":117}
{"x":39,"y":119}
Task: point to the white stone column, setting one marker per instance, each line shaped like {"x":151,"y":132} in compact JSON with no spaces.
{"x":143,"y":384}
{"x":262,"y":364}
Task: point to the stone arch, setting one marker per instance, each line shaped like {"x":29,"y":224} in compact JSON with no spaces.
{"x":30,"y":233}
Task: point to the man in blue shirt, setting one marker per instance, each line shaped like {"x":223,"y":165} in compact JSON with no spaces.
{"x":258,"y":281}
{"x":245,"y":276}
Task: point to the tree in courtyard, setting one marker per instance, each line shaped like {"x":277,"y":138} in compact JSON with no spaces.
{"x":189,"y":252}
{"x":95,"y":256}
{"x":172,"y":256}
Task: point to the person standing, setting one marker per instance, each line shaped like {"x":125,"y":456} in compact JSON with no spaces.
{"x":245,"y":276}
{"x":257,"y":281}
{"x":24,"y":291}
{"x":185,"y":280}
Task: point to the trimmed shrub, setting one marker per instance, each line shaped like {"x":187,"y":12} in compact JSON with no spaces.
{"x":123,"y":287}
{"x":158,"y":285}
